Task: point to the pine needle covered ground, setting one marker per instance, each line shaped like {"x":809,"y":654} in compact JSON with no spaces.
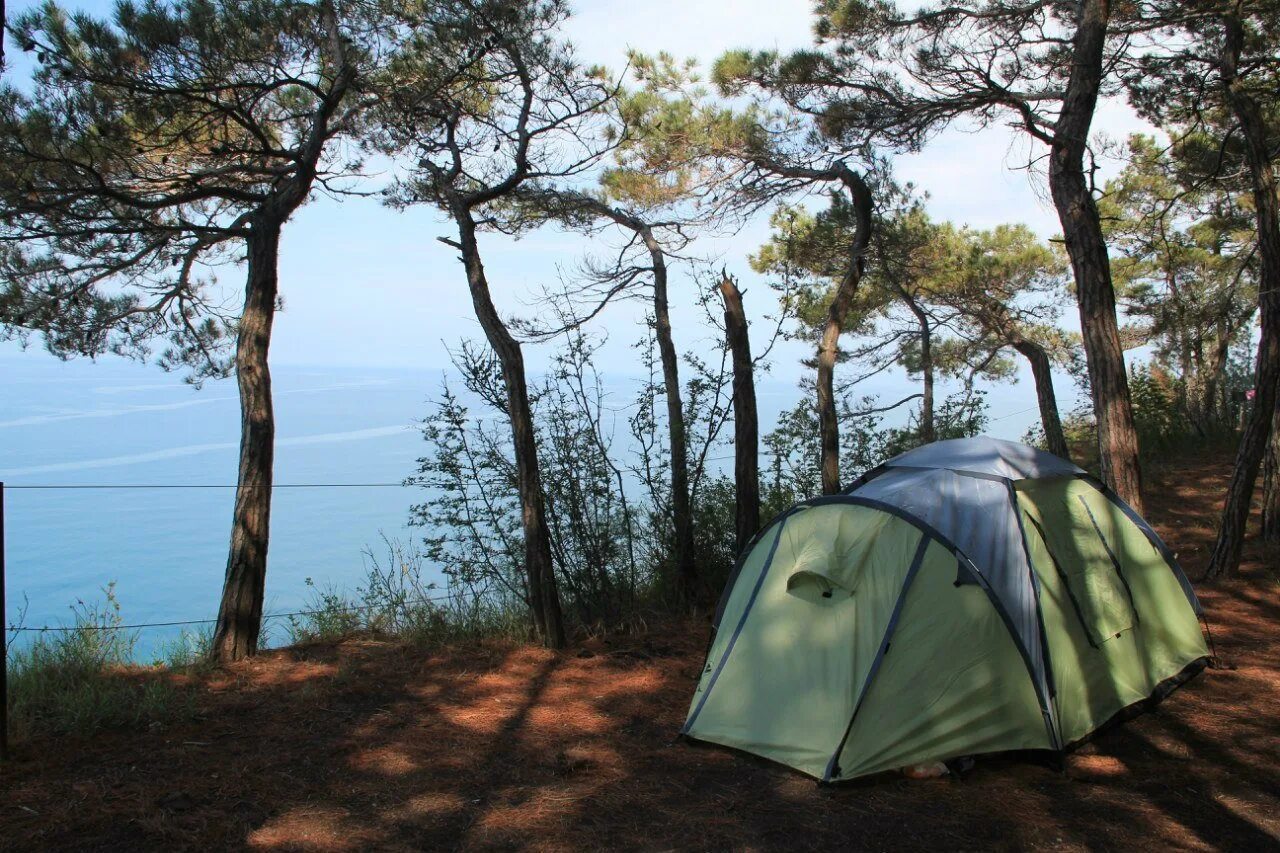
{"x":366,"y":745}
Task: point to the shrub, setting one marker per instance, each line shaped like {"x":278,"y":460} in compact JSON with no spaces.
{"x":84,"y":679}
{"x":395,"y":601}
{"x":1161,"y":422}
{"x":473,"y":516}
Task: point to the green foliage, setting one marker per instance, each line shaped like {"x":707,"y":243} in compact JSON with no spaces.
{"x":473,"y":519}
{"x":675,"y":144}
{"x":806,"y":256}
{"x":330,"y":615}
{"x":1156,"y":414}
{"x":82,"y":680}
{"x":714,"y":536}
{"x":139,"y":154}
{"x":190,"y":651}
{"x":792,"y":447}
{"x":974,"y":293}
{"x":707,"y":399}
{"x":1185,"y":268}
{"x":1160,"y":415}
{"x":396,"y":601}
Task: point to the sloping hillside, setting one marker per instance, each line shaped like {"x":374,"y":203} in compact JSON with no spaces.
{"x":374,"y":746}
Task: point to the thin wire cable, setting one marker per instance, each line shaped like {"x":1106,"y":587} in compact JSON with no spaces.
{"x":55,"y":486}
{"x":355,"y":609}
{"x":1012,"y":414}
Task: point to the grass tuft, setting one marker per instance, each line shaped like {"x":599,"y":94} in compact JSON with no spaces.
{"x":394,"y":601}
{"x":83,"y":680}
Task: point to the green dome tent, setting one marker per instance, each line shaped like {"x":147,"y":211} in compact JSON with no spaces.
{"x":968,"y":596}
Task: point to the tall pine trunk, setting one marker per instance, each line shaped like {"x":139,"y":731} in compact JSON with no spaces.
{"x":1042,"y":373}
{"x":1225,"y":559}
{"x":1087,"y":248}
{"x":540,"y":579}
{"x":746,"y":425}
{"x":828,"y":351}
{"x":928,"y":430}
{"x":1211,"y":380}
{"x":1271,"y":482}
{"x":841,"y":302}
{"x":681,"y":507}
{"x":837,"y":314}
{"x":240,"y":614}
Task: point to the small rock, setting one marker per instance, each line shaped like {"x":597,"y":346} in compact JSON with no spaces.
{"x":177,"y":801}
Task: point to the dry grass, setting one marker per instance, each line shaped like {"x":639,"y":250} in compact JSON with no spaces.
{"x":368,"y":745}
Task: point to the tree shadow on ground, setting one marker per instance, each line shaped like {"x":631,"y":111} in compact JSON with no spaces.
{"x":371,"y":745}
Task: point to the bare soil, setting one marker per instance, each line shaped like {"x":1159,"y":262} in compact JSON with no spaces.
{"x":366,"y":745}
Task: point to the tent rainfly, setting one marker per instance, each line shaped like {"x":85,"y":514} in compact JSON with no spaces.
{"x":969,"y":596}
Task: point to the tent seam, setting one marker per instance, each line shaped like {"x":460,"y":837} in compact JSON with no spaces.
{"x":737,"y":631}
{"x":1066,"y":583}
{"x":885,"y":642}
{"x":1152,"y":537}
{"x":1049,"y":705}
{"x":1115,"y":561}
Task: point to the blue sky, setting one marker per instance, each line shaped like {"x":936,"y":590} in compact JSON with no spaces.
{"x":366,"y":286}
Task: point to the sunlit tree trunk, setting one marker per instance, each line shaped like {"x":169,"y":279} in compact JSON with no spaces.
{"x":928,"y":431}
{"x":746,"y":426}
{"x":240,"y":613}
{"x":1225,"y":559}
{"x":540,"y":580}
{"x":1087,"y":248}
{"x":1042,"y":373}
{"x":837,"y":314}
{"x":828,"y":352}
{"x":1271,"y":482}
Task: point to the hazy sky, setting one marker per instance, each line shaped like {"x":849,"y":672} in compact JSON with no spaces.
{"x":365,"y":286}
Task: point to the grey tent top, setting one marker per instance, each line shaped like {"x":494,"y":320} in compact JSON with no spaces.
{"x":985,"y":455}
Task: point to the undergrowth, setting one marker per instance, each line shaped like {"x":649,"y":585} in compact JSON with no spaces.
{"x":395,"y":601}
{"x":87,"y":676}
{"x":84,"y":678}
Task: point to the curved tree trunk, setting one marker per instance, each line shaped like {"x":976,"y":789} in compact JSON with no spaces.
{"x":687,"y":581}
{"x":1225,"y":559}
{"x":746,"y":425}
{"x":240,"y":614}
{"x":828,"y":350}
{"x":829,"y":346}
{"x":1042,"y":373}
{"x":540,"y":579}
{"x":1087,"y":248}
{"x":841,"y":303}
{"x":681,"y":508}
{"x":928,"y":431}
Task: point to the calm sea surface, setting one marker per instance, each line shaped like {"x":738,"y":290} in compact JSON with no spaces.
{"x":114,"y":423}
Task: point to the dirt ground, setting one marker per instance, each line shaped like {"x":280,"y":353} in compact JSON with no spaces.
{"x":373,"y":746}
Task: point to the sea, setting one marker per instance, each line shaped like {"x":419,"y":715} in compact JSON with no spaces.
{"x":117,"y":473}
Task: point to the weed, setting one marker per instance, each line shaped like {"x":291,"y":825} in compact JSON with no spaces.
{"x":396,"y":601}
{"x":83,"y":679}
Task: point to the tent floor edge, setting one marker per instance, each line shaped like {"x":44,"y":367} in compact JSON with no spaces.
{"x":1145,"y":705}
